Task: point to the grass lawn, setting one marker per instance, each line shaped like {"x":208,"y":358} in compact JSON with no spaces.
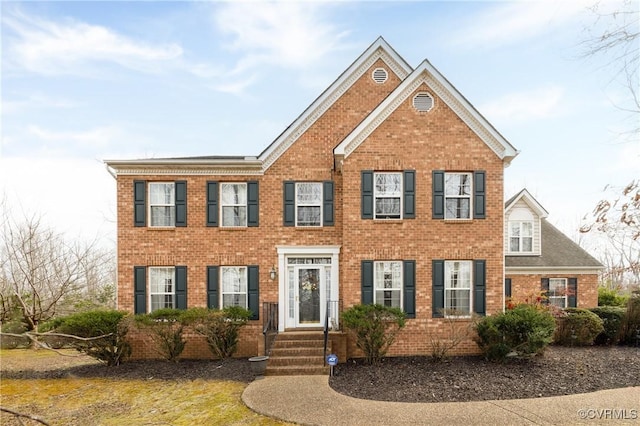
{"x":100,"y":401}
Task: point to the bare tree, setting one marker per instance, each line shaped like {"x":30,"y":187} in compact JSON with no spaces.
{"x":615,"y":36}
{"x":42,"y":275}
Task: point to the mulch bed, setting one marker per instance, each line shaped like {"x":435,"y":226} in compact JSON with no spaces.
{"x":561,"y":371}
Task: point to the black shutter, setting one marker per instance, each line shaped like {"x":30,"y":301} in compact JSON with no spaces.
{"x":181,"y":287}
{"x":289,"y":214}
{"x":572,"y":293}
{"x":212,"y":203}
{"x":139,"y":203}
{"x":438,"y":194}
{"x":409,"y":278}
{"x":479,"y":198}
{"x":409,"y":194}
{"x":437,"y":285}
{"x":212,"y":287}
{"x":140,"y":289}
{"x":544,"y":285}
{"x":253,"y":291}
{"x":479,"y":286}
{"x":367,"y":194}
{"x":181,"y":203}
{"x":367,"y":282}
{"x":253,"y":212}
{"x":327,"y":206}
{"x":507,"y":287}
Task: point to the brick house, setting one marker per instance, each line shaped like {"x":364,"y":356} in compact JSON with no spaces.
{"x":387,"y":189}
{"x":541,"y":259}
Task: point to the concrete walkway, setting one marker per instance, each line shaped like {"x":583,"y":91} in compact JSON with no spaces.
{"x":309,"y":400}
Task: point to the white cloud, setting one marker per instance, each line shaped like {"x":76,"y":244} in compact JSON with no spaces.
{"x":510,"y":23}
{"x":46,"y":47}
{"x":525,"y":105}
{"x":288,"y":34}
{"x":36,"y":101}
{"x":96,"y":138}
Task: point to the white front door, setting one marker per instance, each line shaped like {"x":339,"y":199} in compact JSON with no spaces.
{"x":308,"y":279}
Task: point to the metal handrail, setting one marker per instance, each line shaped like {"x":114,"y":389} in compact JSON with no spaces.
{"x":333,"y":307}
{"x":270,"y":313}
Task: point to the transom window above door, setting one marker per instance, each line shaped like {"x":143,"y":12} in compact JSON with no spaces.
{"x":309,"y":204}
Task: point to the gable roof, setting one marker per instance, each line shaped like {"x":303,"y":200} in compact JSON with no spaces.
{"x":526,"y":196}
{"x":429,"y":75}
{"x":379,"y":49}
{"x":558,"y":252}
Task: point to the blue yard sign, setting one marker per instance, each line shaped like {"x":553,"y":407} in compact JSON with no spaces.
{"x":332,"y":359}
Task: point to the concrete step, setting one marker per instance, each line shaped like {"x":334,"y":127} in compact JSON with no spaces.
{"x":296,"y":370}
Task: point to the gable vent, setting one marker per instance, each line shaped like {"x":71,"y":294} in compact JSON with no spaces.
{"x":423,"y":102}
{"x":379,"y":75}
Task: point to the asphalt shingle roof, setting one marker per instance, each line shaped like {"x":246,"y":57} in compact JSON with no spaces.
{"x":558,"y":250}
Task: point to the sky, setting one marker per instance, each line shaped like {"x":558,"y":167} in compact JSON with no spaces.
{"x":86,"y":81}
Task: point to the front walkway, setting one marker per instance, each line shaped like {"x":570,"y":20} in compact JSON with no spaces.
{"x":309,"y":400}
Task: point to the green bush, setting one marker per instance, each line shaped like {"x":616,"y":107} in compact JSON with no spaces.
{"x":375,"y":328}
{"x":220,"y":328}
{"x":611,"y":317}
{"x":113,"y":348}
{"x":166,"y":330}
{"x":630,"y":326}
{"x":522,"y":331}
{"x":14,"y":342}
{"x":579,"y":327}
{"x":609,"y":297}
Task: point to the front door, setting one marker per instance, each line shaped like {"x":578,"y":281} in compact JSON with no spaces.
{"x":308,"y":295}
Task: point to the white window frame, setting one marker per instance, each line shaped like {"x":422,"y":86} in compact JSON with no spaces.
{"x":319,"y":204}
{"x":563,"y":293}
{"x":223,"y":205}
{"x":383,"y":195}
{"x":468,"y":196}
{"x":449,"y":268}
{"x":380,"y":270}
{"x":171,"y":204}
{"x":520,"y":237}
{"x":165,"y":293}
{"x":238,"y":292}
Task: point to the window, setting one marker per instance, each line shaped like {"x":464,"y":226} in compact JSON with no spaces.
{"x":388,"y":284}
{"x":161,"y":287}
{"x":308,"y":204}
{"x":457,"y":195}
{"x":457,"y":288}
{"x":234,"y":286}
{"x":521,"y":236}
{"x":162,"y":203}
{"x":558,"y":292}
{"x":234,"y":204}
{"x":387,"y":195}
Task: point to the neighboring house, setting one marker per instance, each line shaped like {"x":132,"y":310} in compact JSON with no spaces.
{"x":541,"y":260}
{"x":387,"y":189}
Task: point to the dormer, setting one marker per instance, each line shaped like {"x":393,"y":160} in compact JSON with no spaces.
{"x":522,"y":218}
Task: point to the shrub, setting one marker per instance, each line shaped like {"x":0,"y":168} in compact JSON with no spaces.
{"x":630,"y":326}
{"x":610,"y":297}
{"x":220,"y":328}
{"x":611,"y":317}
{"x":13,"y":342}
{"x":522,"y":331}
{"x":578,"y":328}
{"x":375,"y":328}
{"x":166,"y":330}
{"x":455,"y":332}
{"x":113,"y":348}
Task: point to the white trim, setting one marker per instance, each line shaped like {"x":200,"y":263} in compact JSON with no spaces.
{"x":304,"y":251}
{"x":533,"y":204}
{"x":427,"y":74}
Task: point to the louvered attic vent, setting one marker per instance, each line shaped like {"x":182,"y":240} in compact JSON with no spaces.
{"x":423,"y":102}
{"x":379,"y":75}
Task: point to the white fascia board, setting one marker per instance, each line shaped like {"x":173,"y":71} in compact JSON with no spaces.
{"x":428,"y":74}
{"x":185,"y":166}
{"x":380,"y":49}
{"x":533,"y":204}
